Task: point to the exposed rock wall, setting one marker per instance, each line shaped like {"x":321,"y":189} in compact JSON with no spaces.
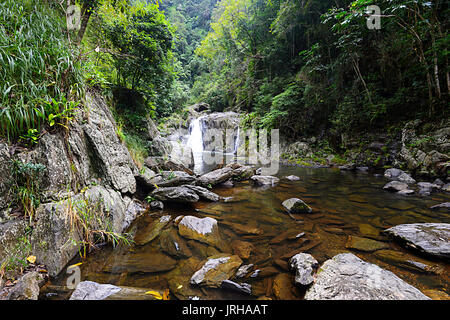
{"x":86,"y":163}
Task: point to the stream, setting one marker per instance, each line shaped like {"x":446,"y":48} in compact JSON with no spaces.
{"x":345,"y":204}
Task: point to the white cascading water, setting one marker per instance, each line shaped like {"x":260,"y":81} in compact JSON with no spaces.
{"x":195,"y":142}
{"x":236,"y":141}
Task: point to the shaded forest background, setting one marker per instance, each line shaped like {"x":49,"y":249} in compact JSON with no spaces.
{"x":309,"y":68}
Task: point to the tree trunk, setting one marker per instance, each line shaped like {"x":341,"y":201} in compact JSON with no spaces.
{"x":86,"y":13}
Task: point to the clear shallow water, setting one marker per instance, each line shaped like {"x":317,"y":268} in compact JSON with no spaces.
{"x":344,"y":204}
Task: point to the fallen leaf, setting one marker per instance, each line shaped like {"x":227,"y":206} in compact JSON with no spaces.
{"x":155,"y":294}
{"x":75,"y":265}
{"x":31,"y":259}
{"x":166,"y":294}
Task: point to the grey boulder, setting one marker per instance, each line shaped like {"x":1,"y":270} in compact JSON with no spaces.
{"x":346,"y":277}
{"x":430,"y":238}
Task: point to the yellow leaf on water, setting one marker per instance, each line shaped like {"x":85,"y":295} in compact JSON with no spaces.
{"x":155,"y":294}
{"x":75,"y":265}
{"x":31,"y":259}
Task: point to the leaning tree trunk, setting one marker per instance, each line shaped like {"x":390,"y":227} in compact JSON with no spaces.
{"x":86,"y":13}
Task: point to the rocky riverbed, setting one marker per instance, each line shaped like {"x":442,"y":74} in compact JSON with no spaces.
{"x":250,"y":244}
{"x":227,"y":232}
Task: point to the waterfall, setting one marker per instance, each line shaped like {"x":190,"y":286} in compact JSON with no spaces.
{"x":195,"y":140}
{"x":236,"y":141}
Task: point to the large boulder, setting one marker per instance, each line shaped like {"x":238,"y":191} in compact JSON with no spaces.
{"x":89,"y":290}
{"x":216,"y":269}
{"x":179,"y":194}
{"x":215,"y":177}
{"x":204,"y":193}
{"x":181,"y":154}
{"x":395,"y":186}
{"x":429,"y":238}
{"x":304,"y":266}
{"x":346,"y":277}
{"x":110,"y":157}
{"x":57,"y":236}
{"x":265,"y":180}
{"x":171,"y":179}
{"x":220,"y":131}
{"x":204,"y":230}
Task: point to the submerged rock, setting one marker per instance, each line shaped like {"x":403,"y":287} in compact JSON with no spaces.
{"x":179,"y":279}
{"x":346,"y":277}
{"x":304,"y":265}
{"x":265,"y":180}
{"x":242,"y":248}
{"x":173,"y":244}
{"x":243,"y":288}
{"x":445,"y":205}
{"x":395,"y":186}
{"x":151,"y":231}
{"x":295,"y":205}
{"x":364,"y":244}
{"x":429,"y":238}
{"x":140,"y":261}
{"x":282,"y":287}
{"x":292,"y":178}
{"x":216,"y":269}
{"x":403,"y":261}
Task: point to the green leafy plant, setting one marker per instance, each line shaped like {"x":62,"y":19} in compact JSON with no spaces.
{"x":90,"y":225}
{"x":26,"y":179}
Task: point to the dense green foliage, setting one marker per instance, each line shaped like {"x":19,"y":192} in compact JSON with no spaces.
{"x":310,"y":66}
{"x":307,"y":67}
{"x":40,"y":75}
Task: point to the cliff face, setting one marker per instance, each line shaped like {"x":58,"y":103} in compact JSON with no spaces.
{"x":86,"y":167}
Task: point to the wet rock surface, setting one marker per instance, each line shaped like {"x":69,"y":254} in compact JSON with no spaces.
{"x":304,"y":266}
{"x":204,"y":230}
{"x":265,"y":180}
{"x":89,"y":290}
{"x":295,"y":205}
{"x":215,"y":270}
{"x":175,"y":194}
{"x":429,"y":238}
{"x":346,"y":277}
{"x":364,"y":244}
{"x":153,"y":230}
